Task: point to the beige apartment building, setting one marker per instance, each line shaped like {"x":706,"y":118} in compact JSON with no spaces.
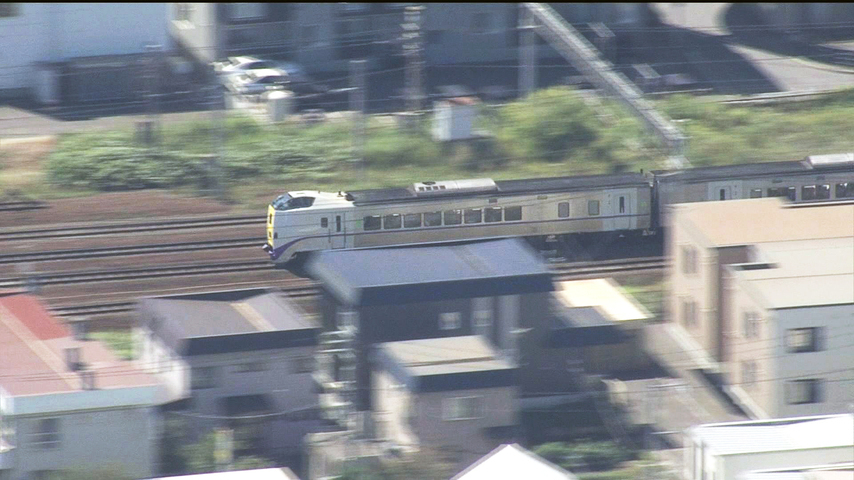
{"x":762,"y":292}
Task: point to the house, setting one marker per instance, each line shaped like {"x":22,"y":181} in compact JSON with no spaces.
{"x":77,"y":52}
{"x":239,"y":359}
{"x":513,"y":462}
{"x":453,"y":394}
{"x":726,"y":451}
{"x":836,"y":471}
{"x":67,"y":403}
{"x":707,"y":236}
{"x":498,"y":289}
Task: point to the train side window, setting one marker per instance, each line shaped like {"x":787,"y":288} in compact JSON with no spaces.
{"x":412,"y":220}
{"x":822,"y":192}
{"x":433,"y":219}
{"x":391,"y":221}
{"x":791,"y":192}
{"x":563,"y":210}
{"x":723,"y":194}
{"x":512,"y":214}
{"x":373,"y":222}
{"x":593,"y":207}
{"x":337,"y":223}
{"x":474,"y":215}
{"x":756,"y":193}
{"x":492,"y":214}
{"x":324,"y":222}
{"x":845,"y":190}
{"x":453,"y":217}
{"x":622,"y":204}
{"x":808,"y":192}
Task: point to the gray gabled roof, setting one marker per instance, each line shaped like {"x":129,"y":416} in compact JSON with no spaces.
{"x":424,"y":273}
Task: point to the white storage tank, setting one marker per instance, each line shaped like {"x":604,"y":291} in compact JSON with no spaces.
{"x":453,"y":119}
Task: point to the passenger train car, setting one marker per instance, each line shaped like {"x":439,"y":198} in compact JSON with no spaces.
{"x":630,"y":203}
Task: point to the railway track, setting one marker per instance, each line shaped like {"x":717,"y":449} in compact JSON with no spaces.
{"x":92,"y":230}
{"x":90,"y":253}
{"x":308,"y":288}
{"x":19,"y":205}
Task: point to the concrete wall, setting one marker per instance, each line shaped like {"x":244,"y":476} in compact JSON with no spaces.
{"x":121,"y":438}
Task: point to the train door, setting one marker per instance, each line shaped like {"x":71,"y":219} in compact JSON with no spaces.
{"x":723,"y":191}
{"x":621,"y":210}
{"x":338,"y":231}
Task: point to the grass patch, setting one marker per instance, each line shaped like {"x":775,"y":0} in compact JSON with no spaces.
{"x":647,"y":290}
{"x":119,"y":341}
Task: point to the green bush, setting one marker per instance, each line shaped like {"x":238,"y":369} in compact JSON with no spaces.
{"x":390,"y":147}
{"x":602,"y":455}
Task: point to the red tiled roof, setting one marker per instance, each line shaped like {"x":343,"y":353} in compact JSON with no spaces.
{"x":29,"y":311}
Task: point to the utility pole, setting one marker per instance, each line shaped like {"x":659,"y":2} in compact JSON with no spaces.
{"x":527,"y":52}
{"x":218,"y":140}
{"x":357,"y":106}
{"x":151,"y":130}
{"x":412,"y":51}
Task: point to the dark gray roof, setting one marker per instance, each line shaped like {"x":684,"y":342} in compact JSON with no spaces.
{"x":424,"y":273}
{"x":506,"y":187}
{"x":748,"y":170}
{"x":450,"y":363}
{"x":581,"y":327}
{"x":229,"y":321}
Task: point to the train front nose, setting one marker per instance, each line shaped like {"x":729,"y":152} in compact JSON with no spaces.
{"x":270,"y":246}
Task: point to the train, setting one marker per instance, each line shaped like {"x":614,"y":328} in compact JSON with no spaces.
{"x":301,"y":222}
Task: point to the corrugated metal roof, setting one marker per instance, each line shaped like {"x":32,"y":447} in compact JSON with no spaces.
{"x":761,"y":220}
{"x":779,"y":435}
{"x":512,"y":462}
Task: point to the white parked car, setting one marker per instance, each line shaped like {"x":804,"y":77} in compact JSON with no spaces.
{"x":256,"y":82}
{"x":235,"y":65}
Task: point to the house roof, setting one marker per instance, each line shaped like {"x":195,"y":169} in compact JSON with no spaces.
{"x":228,"y":321}
{"x":425,"y":273}
{"x":838,"y":471}
{"x":778,"y":435}
{"x":450,"y":363}
{"x":259,"y":474}
{"x":33,"y":344}
{"x":826,"y":265}
{"x":604,"y":295}
{"x":760,"y":220}
{"x":512,"y":462}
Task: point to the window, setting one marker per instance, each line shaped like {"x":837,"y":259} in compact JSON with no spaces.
{"x":412,"y":220}
{"x":450,"y":321}
{"x":474,"y":215}
{"x":689,"y":312}
{"x":46,"y":433}
{"x":622,"y":204}
{"x":563,"y":209}
{"x":373,"y":222}
{"x":808,"y":192}
{"x":845,"y":190}
{"x":689,"y":260}
{"x":791,"y":193}
{"x":750,"y":325}
{"x":482,"y":316}
{"x":324,"y":222}
{"x":243,"y":11}
{"x":722,"y":194}
{"x":453,"y":217}
{"x":492,"y":214}
{"x":433,"y":219}
{"x":303,"y":364}
{"x":800,"y":340}
{"x":756,"y":193}
{"x":337,"y":223}
{"x":593,"y":208}
{"x":462,"y":408}
{"x":251,"y":367}
{"x":512,"y":214}
{"x":748,"y":373}
{"x":204,"y":377}
{"x":822,"y":192}
{"x":803,"y":391}
{"x":777,"y":192}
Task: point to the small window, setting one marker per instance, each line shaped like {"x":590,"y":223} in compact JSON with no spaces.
{"x":46,"y":433}
{"x":689,"y":260}
{"x":450,"y":321}
{"x":453,"y":217}
{"x":689,"y":312}
{"x":204,"y":377}
{"x":462,"y":408}
{"x":803,"y":391}
{"x":722,"y":194}
{"x":822,"y":192}
{"x":808,"y":192}
{"x":776,"y":192}
{"x":373,"y":222}
{"x":563,"y":210}
{"x":800,"y":340}
{"x":791,"y":193}
{"x":750,"y":325}
{"x":412,"y":220}
{"x":391,"y":222}
{"x":756,"y":193}
{"x":492,"y":214}
{"x":433,"y":219}
{"x":474,"y":215}
{"x":512,"y":214}
{"x":622,"y":204}
{"x":593,"y":207}
{"x":324,"y":222}
{"x":845,"y":190}
{"x":337,"y":223}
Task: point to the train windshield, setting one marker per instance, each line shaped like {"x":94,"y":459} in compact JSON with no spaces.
{"x":286,"y":202}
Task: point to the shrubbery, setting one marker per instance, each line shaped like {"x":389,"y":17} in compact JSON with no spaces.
{"x":604,"y":455}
